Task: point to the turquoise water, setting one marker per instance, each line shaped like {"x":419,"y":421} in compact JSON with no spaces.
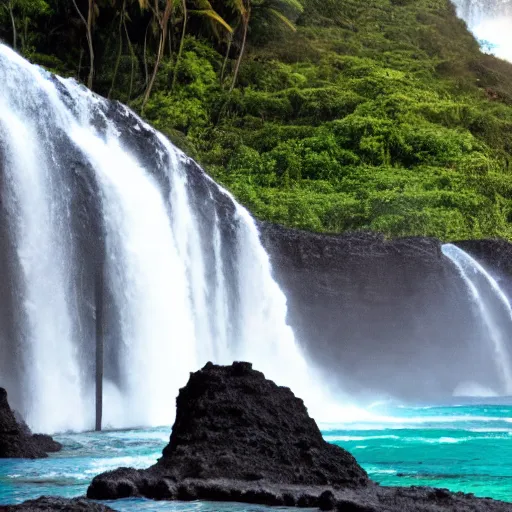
{"x":463,"y":448}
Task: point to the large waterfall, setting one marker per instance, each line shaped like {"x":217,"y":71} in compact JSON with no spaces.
{"x":88,"y":188}
{"x":491,"y":23}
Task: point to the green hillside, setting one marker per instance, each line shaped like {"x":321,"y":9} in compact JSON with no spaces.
{"x":345,"y":115}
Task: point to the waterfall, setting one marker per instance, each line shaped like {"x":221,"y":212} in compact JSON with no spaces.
{"x":86,"y":183}
{"x":493,"y":307}
{"x":491,"y":23}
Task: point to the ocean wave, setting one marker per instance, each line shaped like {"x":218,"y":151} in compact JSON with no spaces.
{"x":439,"y":440}
{"x":387,"y":422}
{"x":348,"y":438}
{"x":380,"y":471}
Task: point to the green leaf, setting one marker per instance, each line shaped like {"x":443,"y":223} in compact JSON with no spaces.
{"x":294,"y":4}
{"x":283,"y":19}
{"x":210,"y":13}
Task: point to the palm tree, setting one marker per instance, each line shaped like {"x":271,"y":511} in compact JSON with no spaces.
{"x":10,"y":8}
{"x":123,"y":18}
{"x":182,"y":42}
{"x":243,"y":9}
{"x":204,"y":9}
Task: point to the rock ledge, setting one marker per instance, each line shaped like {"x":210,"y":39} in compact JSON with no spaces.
{"x":47,"y":503}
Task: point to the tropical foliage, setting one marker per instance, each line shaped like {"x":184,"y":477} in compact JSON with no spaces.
{"x":329,"y":115}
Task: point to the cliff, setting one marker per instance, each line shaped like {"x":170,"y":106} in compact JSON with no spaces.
{"x":386,"y":317}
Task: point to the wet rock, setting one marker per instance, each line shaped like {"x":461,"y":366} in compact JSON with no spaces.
{"x":240,"y":437}
{"x":427,"y":499}
{"x":16,"y":439}
{"x":46,"y":443}
{"x":47,"y":504}
{"x":327,"y":501}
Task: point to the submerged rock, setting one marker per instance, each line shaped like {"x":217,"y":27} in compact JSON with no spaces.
{"x":45,"y":503}
{"x":240,"y":437}
{"x":16,"y":439}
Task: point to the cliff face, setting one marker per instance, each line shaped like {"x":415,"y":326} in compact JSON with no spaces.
{"x":385,"y":318}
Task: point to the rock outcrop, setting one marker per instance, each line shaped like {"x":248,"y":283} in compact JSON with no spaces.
{"x":16,"y":439}
{"x":50,"y":503}
{"x":240,"y":437}
{"x":270,"y":435}
{"x":401,"y":300}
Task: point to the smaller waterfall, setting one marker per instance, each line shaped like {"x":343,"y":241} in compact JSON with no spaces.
{"x":493,"y":307}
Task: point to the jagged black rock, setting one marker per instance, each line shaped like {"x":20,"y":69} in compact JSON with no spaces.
{"x":16,"y":439}
{"x":240,"y":437}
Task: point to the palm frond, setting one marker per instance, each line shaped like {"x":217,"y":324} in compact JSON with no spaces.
{"x":210,"y":13}
{"x":203,"y":5}
{"x":293,"y":4}
{"x":281,"y":17}
{"x":239,"y":6}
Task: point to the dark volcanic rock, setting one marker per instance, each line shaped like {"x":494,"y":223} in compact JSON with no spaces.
{"x":46,"y":443}
{"x":247,"y":428}
{"x":384,"y":317}
{"x":16,"y":440}
{"x":427,"y":499}
{"x":495,"y":256}
{"x":239,"y":437}
{"x":47,"y":504}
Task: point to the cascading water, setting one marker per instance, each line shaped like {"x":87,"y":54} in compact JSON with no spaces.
{"x":493,"y":307}
{"x":87,"y":185}
{"x":491,"y":23}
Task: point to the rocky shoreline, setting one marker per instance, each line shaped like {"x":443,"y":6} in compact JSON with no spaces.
{"x":240,"y":437}
{"x":51,"y":503}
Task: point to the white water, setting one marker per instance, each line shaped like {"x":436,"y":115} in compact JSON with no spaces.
{"x":488,"y":298}
{"x":491,"y":23}
{"x":36,"y":211}
{"x":169,"y":284}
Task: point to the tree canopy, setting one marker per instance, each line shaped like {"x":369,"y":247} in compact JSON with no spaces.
{"x":328,"y":115}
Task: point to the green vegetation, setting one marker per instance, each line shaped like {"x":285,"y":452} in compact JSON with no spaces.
{"x":328,"y":115}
